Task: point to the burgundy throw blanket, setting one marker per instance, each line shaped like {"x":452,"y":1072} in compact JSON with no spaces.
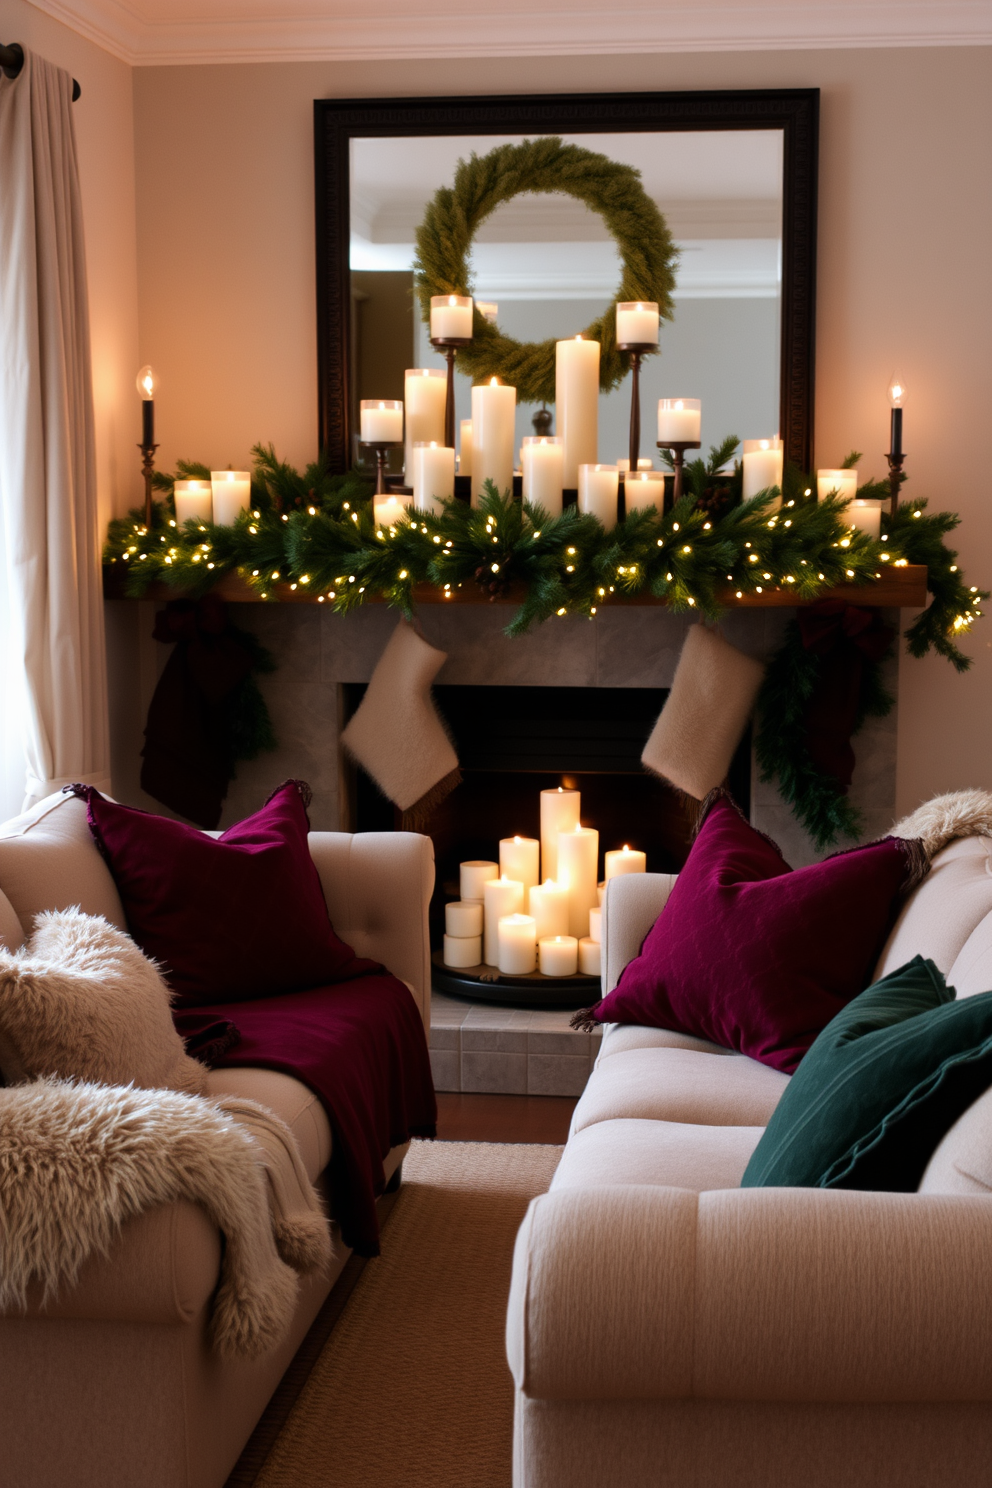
{"x":360,"y":1046}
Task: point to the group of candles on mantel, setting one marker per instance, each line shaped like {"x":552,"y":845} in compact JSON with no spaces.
{"x":551,"y":464}
{"x":511,"y":917}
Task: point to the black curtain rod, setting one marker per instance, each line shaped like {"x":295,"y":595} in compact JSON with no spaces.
{"x":12,"y":60}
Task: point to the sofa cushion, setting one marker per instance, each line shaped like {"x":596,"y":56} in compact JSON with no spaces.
{"x":290,"y":1100}
{"x":675,"y":1154}
{"x":971,"y":972}
{"x":680,"y":1085}
{"x":11,"y":930}
{"x":48,"y":860}
{"x":879,"y":1088}
{"x":943,"y":911}
{"x":962,"y":1161}
{"x":619,"y":1037}
{"x":230,"y":918}
{"x":753,"y":955}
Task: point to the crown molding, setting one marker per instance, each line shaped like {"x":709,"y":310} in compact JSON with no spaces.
{"x":640,"y":26}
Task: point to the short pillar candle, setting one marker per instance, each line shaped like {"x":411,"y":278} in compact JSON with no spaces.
{"x":516,"y":944}
{"x":463,"y":917}
{"x":637,"y":323}
{"x":473,"y":877}
{"x":598,"y":488}
{"x":388,"y":510}
{"x":625,"y":860}
{"x":866,"y":516}
{"x":462,"y":950}
{"x":590,"y":957}
{"x":231,"y":495}
{"x":433,"y":476}
{"x":502,"y":896}
{"x":679,"y":420}
{"x":762,"y":459}
{"x":194,"y":499}
{"x":578,"y":855}
{"x":558,"y":955}
{"x":548,"y":903}
{"x":644,"y":490}
{"x":451,"y":318}
{"x":542,"y":464}
{"x":559,"y":813}
{"x":519,"y":858}
{"x":842,"y":483}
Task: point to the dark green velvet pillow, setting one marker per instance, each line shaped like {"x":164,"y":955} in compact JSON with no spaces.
{"x":879,"y":1088}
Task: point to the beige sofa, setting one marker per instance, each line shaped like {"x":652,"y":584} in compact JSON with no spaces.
{"x":116,"y":1383}
{"x":668,"y":1328}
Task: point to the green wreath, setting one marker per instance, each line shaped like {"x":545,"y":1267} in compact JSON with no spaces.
{"x":444,"y":240}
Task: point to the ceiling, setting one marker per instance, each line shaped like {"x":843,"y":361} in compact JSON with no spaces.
{"x":150,"y":32}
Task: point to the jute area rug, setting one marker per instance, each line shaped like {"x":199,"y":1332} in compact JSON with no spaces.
{"x":412,"y":1389}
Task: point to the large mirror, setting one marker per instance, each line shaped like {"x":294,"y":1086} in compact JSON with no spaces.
{"x":734,"y":175}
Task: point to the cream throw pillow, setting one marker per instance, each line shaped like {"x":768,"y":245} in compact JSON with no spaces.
{"x":81,"y":1001}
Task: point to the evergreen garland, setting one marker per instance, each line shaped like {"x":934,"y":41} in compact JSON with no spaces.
{"x":482,"y":183}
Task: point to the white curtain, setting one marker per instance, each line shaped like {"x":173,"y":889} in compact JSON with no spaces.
{"x":54,"y":700}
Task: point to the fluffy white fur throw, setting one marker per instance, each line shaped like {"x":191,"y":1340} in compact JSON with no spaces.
{"x":81,"y":1000}
{"x":76,"y":1161}
{"x":959,"y":814}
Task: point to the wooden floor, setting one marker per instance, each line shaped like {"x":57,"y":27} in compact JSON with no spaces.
{"x":503,"y":1118}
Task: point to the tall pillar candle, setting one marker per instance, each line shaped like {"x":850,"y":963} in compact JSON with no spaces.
{"x":433,"y":476}
{"x":424,"y":392}
{"x":577,"y":405}
{"x":231,"y":495}
{"x":625,"y":860}
{"x":598,"y":489}
{"x":502,"y":896}
{"x":473,"y":877}
{"x":494,"y":409}
{"x":465,"y":454}
{"x":762,"y":466}
{"x":548,"y":903}
{"x":519,"y":859}
{"x":516,"y":948}
{"x":542,"y":460}
{"x":578,"y":856}
{"x":559,"y":813}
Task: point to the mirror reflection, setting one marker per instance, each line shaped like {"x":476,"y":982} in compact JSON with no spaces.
{"x":546,"y":266}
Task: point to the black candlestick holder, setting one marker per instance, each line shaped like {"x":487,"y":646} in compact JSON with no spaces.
{"x":895,"y":457}
{"x":448,"y":345}
{"x":147,"y":471}
{"x":678,"y":448}
{"x":636,"y":350}
{"x":382,"y":448}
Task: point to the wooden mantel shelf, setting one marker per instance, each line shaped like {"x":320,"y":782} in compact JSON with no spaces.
{"x":901,"y":588}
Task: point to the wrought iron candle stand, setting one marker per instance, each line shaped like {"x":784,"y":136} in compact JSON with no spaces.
{"x":382,"y":448}
{"x":895,"y":457}
{"x":448,"y":346}
{"x":636,"y":350}
{"x":678,"y":448}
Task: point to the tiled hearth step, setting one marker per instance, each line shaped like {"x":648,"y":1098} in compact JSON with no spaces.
{"x":484,"y":1049}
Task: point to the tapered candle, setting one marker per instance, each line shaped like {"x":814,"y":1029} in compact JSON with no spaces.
{"x":493,"y":412}
{"x":381,"y":421}
{"x":543,"y":462}
{"x":451,"y":318}
{"x":637,"y":323}
{"x":516,"y":952}
{"x":465,"y":457}
{"x":463,"y":917}
{"x":519,"y":859}
{"x":762,"y":466}
{"x":473,"y":877}
{"x":559,"y":813}
{"x":558,"y":955}
{"x":625,"y":860}
{"x":577,"y":404}
{"x":578,"y":856}
{"x":433,"y":476}
{"x":598,"y":489}
{"x":897,"y":396}
{"x":503,"y":896}
{"x":424,"y":392}
{"x":548,"y":903}
{"x":679,"y":419}
{"x":843,"y":483}
{"x":461,"y":951}
{"x":644,"y":489}
{"x":231,"y":495}
{"x":147,"y":385}
{"x":194,"y":498}
{"x":590,"y":957}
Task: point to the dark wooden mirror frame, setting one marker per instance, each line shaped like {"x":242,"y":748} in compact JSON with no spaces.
{"x":794,"y":111}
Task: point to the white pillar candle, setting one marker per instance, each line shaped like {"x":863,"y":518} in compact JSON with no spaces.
{"x":465,"y":457}
{"x":516,"y":952}
{"x":519,"y":859}
{"x":577,"y":405}
{"x":590,"y":957}
{"x":596,"y":925}
{"x":679,"y":419}
{"x":463,"y":917}
{"x":502,"y":896}
{"x":473,"y":877}
{"x":424,"y":392}
{"x":559,"y":813}
{"x":194,"y":499}
{"x":493,"y":412}
{"x":637,"y":321}
{"x":462,"y":950}
{"x":578,"y":856}
{"x":843,"y":483}
{"x":548,"y":903}
{"x":866,"y":516}
{"x":433,"y":476}
{"x":644,"y":489}
{"x":451,"y":317}
{"x":558,"y":955}
{"x":623,"y":465}
{"x":388,"y":510}
{"x":543,"y":463}
{"x":762,"y":466}
{"x":625,"y":860}
{"x":231,"y":495}
{"x":598,"y":488}
{"x":381,"y":421}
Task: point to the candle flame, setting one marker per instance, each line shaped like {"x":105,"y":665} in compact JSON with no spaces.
{"x":578,"y":338}
{"x":766,"y":444}
{"x":494,"y":382}
{"x":452,"y":299}
{"x":518,"y":839}
{"x":382,"y":405}
{"x":626,"y":848}
{"x":897,"y":391}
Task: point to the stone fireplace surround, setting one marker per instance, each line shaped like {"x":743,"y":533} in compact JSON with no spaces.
{"x":472,"y":1048}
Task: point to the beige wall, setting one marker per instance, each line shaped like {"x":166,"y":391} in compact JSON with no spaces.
{"x":225,"y":248}
{"x":104,"y":119}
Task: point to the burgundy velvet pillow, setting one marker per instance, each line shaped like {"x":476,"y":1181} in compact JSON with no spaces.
{"x":228,"y":918}
{"x":754,"y":955}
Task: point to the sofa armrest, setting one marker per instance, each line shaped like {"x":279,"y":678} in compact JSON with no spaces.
{"x":803,"y":1295}
{"x":378,"y":887}
{"x":631,"y":905}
